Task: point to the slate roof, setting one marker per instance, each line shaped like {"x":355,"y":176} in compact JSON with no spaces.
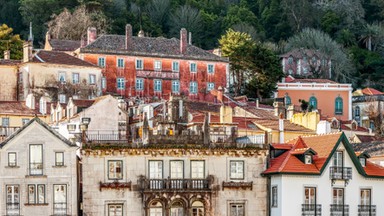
{"x":64,"y":45}
{"x":46,"y":126}
{"x":323,"y":147}
{"x":148,"y":46}
{"x":55,"y":57}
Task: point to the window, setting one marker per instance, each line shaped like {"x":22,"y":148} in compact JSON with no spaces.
{"x":115,"y":209}
{"x":139,"y":84}
{"x":92,"y":79}
{"x":13,"y":200}
{"x":36,"y":194}
{"x":24,"y":121}
{"x":210,"y":86}
{"x":120,"y":83}
{"x":155,"y":169}
{"x":36,"y":159}
{"x":308,"y":159}
{"x":177,"y":169}
{"x":60,"y":199}
{"x":287,"y":100}
{"x":156,"y":209}
{"x":115,"y":169}
{"x":175,"y":66}
{"x":175,"y":86}
{"x":197,"y":208}
{"x":193,"y":67}
{"x":309,"y":195}
{"x":120,"y":63}
{"x":103,"y":82}
{"x":197,"y":169}
{"x":338,"y":106}
{"x":313,"y":102}
{"x":62,"y":99}
{"x":363,"y":161}
{"x":338,"y":196}
{"x":290,"y":60}
{"x":177,"y":209}
{"x":12,"y":160}
{"x":211,"y":68}
{"x":5,"y":122}
{"x":59,"y":159}
{"x":157,"y":85}
{"x":290,"y":71}
{"x":357,"y":114}
{"x":139,"y":64}
{"x":338,"y":159}
{"x":274,"y":196}
{"x":236,"y":169}
{"x":61,"y":77}
{"x":157,"y":65}
{"x":237,"y":209}
{"x":193,"y":87}
{"x":305,"y":70}
{"x":101,"y":62}
{"x":43,"y":105}
{"x":75,"y":78}
{"x":365,"y":197}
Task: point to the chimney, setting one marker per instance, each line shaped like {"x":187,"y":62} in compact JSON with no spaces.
{"x":91,"y":34}
{"x":83,"y":41}
{"x":30,"y":101}
{"x":220,"y":94}
{"x":7,"y":54}
{"x":183,"y":40}
{"x":281,"y":128}
{"x":27,"y":51}
{"x":257,"y":102}
{"x":190,"y":38}
{"x":128,"y":36}
{"x":141,"y":33}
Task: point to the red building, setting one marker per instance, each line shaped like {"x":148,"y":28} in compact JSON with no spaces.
{"x":154,"y":67}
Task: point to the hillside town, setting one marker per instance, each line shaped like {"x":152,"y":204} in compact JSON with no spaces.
{"x":148,"y":126}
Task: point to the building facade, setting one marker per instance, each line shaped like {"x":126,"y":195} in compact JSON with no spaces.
{"x":154,"y":67}
{"x":39,"y":172}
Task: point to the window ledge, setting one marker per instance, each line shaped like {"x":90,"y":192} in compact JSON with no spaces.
{"x":35,"y":176}
{"x":11,"y":167}
{"x":64,"y":166}
{"x":36,"y":204}
{"x":238,"y":185}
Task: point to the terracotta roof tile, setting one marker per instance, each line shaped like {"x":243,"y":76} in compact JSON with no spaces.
{"x":83,"y":103}
{"x":371,"y":91}
{"x":16,"y":108}
{"x":55,"y":57}
{"x":288,"y":126}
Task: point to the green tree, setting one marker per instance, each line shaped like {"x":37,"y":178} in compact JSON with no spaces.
{"x":372,"y":36}
{"x":240,"y":14}
{"x":186,"y":17}
{"x":9,"y":41}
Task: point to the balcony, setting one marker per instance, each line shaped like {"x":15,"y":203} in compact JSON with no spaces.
{"x":173,"y":185}
{"x":311,"y":210}
{"x":13,"y":209}
{"x":339,"y":210}
{"x":340,"y":173}
{"x":367,"y":210}
{"x":157,"y":74}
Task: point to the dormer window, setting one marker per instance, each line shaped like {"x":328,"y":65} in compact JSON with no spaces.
{"x":308,"y":159}
{"x":363,"y":161}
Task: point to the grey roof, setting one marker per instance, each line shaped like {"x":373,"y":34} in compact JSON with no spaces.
{"x":148,"y":46}
{"x":64,"y":45}
{"x":43,"y":124}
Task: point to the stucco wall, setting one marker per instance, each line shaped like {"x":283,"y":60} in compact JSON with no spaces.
{"x":8,"y":84}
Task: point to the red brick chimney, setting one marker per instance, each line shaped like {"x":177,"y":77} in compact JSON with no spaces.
{"x":183,"y":40}
{"x":128,"y":36}
{"x":91,"y":35}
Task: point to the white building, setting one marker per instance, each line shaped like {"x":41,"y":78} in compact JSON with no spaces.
{"x":39,"y":172}
{"x":322,"y":175}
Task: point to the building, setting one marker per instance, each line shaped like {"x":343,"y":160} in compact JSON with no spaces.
{"x":367,"y":106}
{"x":8,"y":77}
{"x":70,"y":47}
{"x":325,"y":176}
{"x":306,"y":63}
{"x":154,"y":67}
{"x":330,"y":98}
{"x":57,"y":75}
{"x":39,"y":172}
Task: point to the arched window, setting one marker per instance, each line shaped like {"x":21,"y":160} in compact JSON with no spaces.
{"x":177,"y":209}
{"x":197,"y":208}
{"x":313,"y":102}
{"x":339,"y":106}
{"x":156,"y":209}
{"x":287,"y":100}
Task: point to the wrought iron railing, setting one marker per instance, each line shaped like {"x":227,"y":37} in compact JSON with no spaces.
{"x":59,"y":208}
{"x":339,"y":210}
{"x":367,"y":210}
{"x":175,"y":184}
{"x":13,"y":209}
{"x":36,"y":168}
{"x":340,"y":173}
{"x":311,"y":210}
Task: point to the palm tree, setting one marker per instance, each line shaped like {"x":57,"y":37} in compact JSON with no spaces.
{"x":373,"y":34}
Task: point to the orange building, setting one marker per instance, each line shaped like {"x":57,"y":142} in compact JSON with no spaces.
{"x":332,"y":99}
{"x":154,"y":67}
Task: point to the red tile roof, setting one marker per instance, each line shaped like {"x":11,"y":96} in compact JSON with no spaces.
{"x":16,"y":108}
{"x":83,"y":103}
{"x":371,"y":91}
{"x":273,"y":124}
{"x":55,"y":57}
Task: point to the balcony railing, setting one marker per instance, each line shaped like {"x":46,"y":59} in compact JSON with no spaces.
{"x":339,"y":210}
{"x":13,"y":209}
{"x":60,"y":208}
{"x":340,"y":173}
{"x":311,"y":210}
{"x":157,"y":74}
{"x":175,"y":184}
{"x":36,"y":168}
{"x":367,"y":210}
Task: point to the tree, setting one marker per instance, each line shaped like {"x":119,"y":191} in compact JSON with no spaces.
{"x":342,"y":67}
{"x":300,"y":13}
{"x":71,"y":26}
{"x":372,"y":36}
{"x":240,"y":14}
{"x":9,"y":41}
{"x":186,"y":17}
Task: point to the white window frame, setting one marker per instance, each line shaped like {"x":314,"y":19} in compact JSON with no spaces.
{"x":139,"y":84}
{"x":156,"y":169}
{"x":36,"y":159}
{"x":365,"y":198}
{"x":75,"y":78}
{"x":120,"y":83}
{"x":193,"y":86}
{"x":36,"y":194}
{"x":92,"y":79}
{"x":308,"y":159}
{"x":310,"y":194}
{"x":103,"y":82}
{"x":5,"y":121}
{"x":209,"y":70}
{"x":175,"y":66}
{"x":210,"y":86}
{"x":59,"y":158}
{"x":238,"y":211}
{"x":115,"y":169}
{"x":157,"y":85}
{"x":175,"y":86}
{"x":12,"y":159}
{"x":139,"y":66}
{"x":114,"y":207}
{"x":60,"y":199}
{"x":236,"y":169}
{"x":157,"y":65}
{"x":193,"y":69}
{"x":176,"y":169}
{"x":101,"y":62}
{"x":62,"y":99}
{"x":62,"y":77}
{"x":120,"y":63}
{"x":197,"y":169}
